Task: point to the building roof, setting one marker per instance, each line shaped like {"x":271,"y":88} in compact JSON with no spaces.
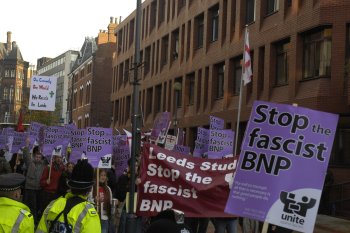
{"x":87,"y":50}
{"x":15,"y":53}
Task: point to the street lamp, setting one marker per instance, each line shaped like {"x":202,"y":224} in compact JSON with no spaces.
{"x":177,"y":89}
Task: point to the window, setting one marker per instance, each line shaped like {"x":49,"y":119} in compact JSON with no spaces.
{"x":220,"y":76}
{"x":149,"y":101}
{"x":86,"y":120}
{"x":175,"y":44}
{"x":7,"y":73}
{"x":271,"y":6}
{"x":317,"y":53}
{"x":237,"y":75}
{"x":282,"y":50}
{"x":131,"y":32}
{"x":158,"y":97}
{"x":190,"y":88}
{"x":81,"y":95}
{"x":89,"y":68}
{"x":13,"y":73}
{"x":88,"y":88}
{"x":178,"y":92}
{"x":165,"y":47}
{"x":341,"y":148}
{"x":347,"y":59}
{"x":199,"y":22}
{"x":6,"y":93}
{"x":147,"y":60}
{"x":250,"y":11}
{"x":11,"y":94}
{"x":214,"y":19}
{"x":153,"y":15}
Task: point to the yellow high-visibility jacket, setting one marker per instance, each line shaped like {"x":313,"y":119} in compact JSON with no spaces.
{"x":15,"y":217}
{"x":82,"y":217}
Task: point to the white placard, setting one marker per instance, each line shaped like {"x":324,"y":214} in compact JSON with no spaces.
{"x":43,"y":93}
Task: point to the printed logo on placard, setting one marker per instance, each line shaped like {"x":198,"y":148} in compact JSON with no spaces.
{"x":105,"y":160}
{"x":295,"y":211}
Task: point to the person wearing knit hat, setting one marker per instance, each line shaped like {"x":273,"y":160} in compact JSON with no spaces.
{"x":18,"y":216}
{"x":73,"y":212}
{"x":169,"y":221}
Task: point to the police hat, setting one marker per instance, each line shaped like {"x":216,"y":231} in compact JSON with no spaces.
{"x":168,"y":221}
{"x":11,"y":182}
{"x":82,"y":175}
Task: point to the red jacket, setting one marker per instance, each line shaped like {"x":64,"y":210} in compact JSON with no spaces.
{"x":54,"y":178}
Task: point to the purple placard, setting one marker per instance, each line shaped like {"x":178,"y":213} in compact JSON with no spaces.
{"x":216,"y":123}
{"x":200,"y":149}
{"x":282,"y":165}
{"x":8,"y":133}
{"x":78,"y":145}
{"x":185,"y":150}
{"x":121,"y":153}
{"x":54,"y":141}
{"x":19,"y":141}
{"x":160,"y":126}
{"x":34,"y":131}
{"x":3,"y":141}
{"x":99,"y":147}
{"x":220,"y":143}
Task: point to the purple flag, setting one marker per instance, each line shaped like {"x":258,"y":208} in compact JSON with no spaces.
{"x":121,"y":153}
{"x":220,"y":143}
{"x":78,"y":145}
{"x":216,"y":123}
{"x":282,"y":165}
{"x":99,"y":147}
{"x":34,"y":131}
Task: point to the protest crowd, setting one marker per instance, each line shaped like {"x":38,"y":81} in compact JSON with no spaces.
{"x":64,"y":179}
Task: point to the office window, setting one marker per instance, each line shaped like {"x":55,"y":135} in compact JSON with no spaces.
{"x":13,"y":73}
{"x":149,"y":98}
{"x":214,"y":20}
{"x":317,"y":53}
{"x":165,"y":48}
{"x":271,"y":6}
{"x":147,"y":60}
{"x":178,"y":92}
{"x":11,"y":94}
{"x":175,"y":44}
{"x":88,"y":90}
{"x":199,"y":24}
{"x":282,"y":50}
{"x":153,"y":15}
{"x":7,"y":73}
{"x":237,"y":75}
{"x":6,"y":93}
{"x":250,"y":11}
{"x":131,"y":32}
{"x":219,"y":70}
{"x":190,"y":88}
{"x":81,"y":96}
{"x":158,"y":98}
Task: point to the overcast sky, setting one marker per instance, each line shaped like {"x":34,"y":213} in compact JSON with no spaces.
{"x":46,"y":28}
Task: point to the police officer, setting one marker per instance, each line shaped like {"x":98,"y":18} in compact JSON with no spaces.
{"x":16,"y":216}
{"x":73,"y":213}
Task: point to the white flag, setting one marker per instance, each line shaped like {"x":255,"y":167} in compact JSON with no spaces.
{"x":247,"y":74}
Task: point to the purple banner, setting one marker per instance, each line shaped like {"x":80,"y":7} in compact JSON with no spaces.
{"x":121,"y":153}
{"x":99,"y":147}
{"x":216,"y":123}
{"x":54,"y":141}
{"x":220,"y":143}
{"x":160,"y":127}
{"x":78,"y":145}
{"x":184,"y":150}
{"x":19,"y":141}
{"x":282,"y":165}
{"x":34,"y":131}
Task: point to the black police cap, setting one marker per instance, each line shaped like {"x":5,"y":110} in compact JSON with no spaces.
{"x":11,"y":181}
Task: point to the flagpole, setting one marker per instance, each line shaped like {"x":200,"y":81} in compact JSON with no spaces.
{"x":240,"y":92}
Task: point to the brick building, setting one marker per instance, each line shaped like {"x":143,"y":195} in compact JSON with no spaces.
{"x":90,"y":80}
{"x":13,"y":81}
{"x":300,"y":52}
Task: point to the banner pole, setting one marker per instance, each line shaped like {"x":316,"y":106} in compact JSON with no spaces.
{"x":265,"y":227}
{"x":240,"y":96}
{"x":49,"y":178}
{"x":97,"y":190}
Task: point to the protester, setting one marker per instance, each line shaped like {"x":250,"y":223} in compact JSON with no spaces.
{"x":73,"y":211}
{"x":169,"y":221}
{"x":62,"y":183}
{"x":223,"y":225}
{"x":32,"y":187}
{"x":4,"y":165}
{"x":197,"y":225}
{"x":17,"y":163}
{"x":49,"y":180}
{"x":122,"y":188}
{"x":18,"y":217}
{"x":103,"y":199}
{"x":250,"y":225}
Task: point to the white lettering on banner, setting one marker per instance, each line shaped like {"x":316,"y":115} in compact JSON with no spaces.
{"x":162,"y":172}
{"x":155,"y":205}
{"x":163,"y":189}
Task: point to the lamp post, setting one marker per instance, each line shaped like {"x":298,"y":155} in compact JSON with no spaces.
{"x":177,"y":89}
{"x":131,"y":220}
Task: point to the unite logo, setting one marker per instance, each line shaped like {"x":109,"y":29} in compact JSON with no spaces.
{"x":294,"y":211}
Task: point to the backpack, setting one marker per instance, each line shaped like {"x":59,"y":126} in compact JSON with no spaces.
{"x":59,"y":227}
